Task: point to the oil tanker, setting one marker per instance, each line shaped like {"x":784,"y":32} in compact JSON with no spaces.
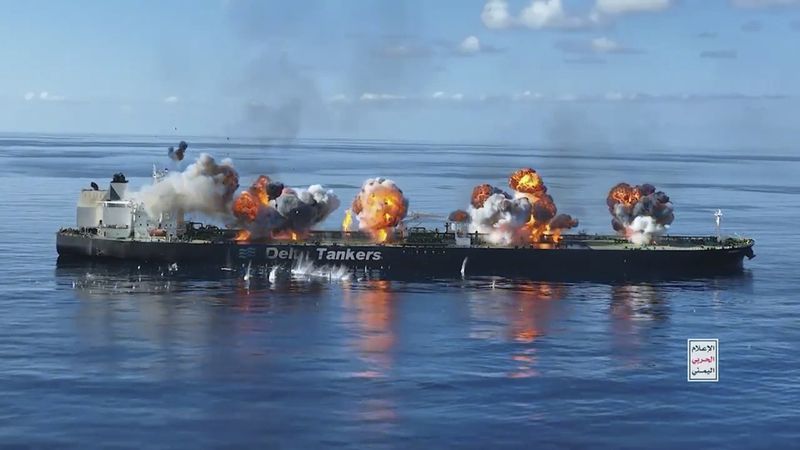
{"x":112,"y":227}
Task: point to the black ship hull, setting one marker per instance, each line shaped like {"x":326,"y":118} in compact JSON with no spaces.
{"x":574,"y":262}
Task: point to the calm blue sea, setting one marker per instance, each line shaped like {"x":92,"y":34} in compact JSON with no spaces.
{"x":126,"y":357}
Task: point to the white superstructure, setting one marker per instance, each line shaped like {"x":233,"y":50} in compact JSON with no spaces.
{"x":115,"y":215}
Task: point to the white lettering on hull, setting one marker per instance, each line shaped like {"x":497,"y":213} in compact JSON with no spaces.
{"x":323,"y":254}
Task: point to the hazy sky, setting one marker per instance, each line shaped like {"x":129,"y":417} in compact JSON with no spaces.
{"x":634,"y":72}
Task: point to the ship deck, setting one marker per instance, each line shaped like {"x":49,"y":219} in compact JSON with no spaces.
{"x":436,"y":239}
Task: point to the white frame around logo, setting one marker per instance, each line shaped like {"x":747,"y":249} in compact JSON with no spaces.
{"x":714,"y":365}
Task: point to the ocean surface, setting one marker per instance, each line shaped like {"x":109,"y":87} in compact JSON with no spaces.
{"x":127,"y":356}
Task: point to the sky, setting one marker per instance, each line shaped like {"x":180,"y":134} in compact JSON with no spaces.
{"x":671,"y":73}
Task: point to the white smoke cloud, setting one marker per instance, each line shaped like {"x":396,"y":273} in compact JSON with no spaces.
{"x":324,"y":201}
{"x":500,"y":218}
{"x":644,"y":230}
{"x":640,"y":213}
{"x":205,"y":186}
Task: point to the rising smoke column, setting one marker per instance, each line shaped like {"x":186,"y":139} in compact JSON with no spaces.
{"x":269,"y":208}
{"x":379,"y":207}
{"x":639,"y":213}
{"x":526,"y":216}
{"x":205,"y":187}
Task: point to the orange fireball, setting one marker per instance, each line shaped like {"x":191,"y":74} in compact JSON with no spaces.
{"x":245,"y":207}
{"x":379,"y":205}
{"x":623,"y":193}
{"x":480,"y":193}
{"x":527,"y":181}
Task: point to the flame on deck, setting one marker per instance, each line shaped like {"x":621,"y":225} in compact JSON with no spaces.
{"x":348,"y":220}
{"x":529,"y":184}
{"x":382,"y":235}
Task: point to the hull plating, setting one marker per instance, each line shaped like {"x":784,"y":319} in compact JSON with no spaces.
{"x":544,"y":263}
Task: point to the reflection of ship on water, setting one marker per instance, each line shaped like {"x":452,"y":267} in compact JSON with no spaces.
{"x":639,"y":302}
{"x":635,"y":309}
{"x":177,"y":314}
{"x":516,"y":312}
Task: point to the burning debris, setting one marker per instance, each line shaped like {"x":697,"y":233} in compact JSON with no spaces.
{"x":269,"y":208}
{"x":177,"y":155}
{"x":527,"y":216}
{"x":639,"y":213}
{"x":206,"y":186}
{"x":379,"y":206}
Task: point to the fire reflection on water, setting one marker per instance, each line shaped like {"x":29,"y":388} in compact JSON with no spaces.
{"x":371,"y":309}
{"x":521,"y":315}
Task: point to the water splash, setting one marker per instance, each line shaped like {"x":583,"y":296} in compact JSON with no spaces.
{"x":305,"y":268}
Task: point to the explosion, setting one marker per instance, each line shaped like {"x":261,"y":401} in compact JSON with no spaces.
{"x":177,"y":155}
{"x":379,"y":206}
{"x":527,"y":181}
{"x":640,"y":213}
{"x":482,"y":192}
{"x":528,"y":215}
{"x":458,"y":216}
{"x":204,"y":187}
{"x":268,"y":208}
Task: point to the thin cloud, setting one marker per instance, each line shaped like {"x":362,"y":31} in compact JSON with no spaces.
{"x":404,"y":50}
{"x":617,"y":7}
{"x":171,"y":99}
{"x":719,"y":54}
{"x":43,"y":96}
{"x":454,"y":99}
{"x":599,"y":45}
{"x":539,"y":14}
{"x":551,"y":14}
{"x":469,"y":46}
{"x":706,"y":35}
{"x":585,"y":60}
{"x":763,"y":3}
